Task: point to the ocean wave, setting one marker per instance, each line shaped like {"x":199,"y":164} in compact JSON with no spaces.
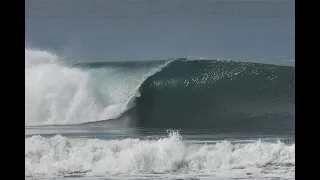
{"x":177,"y":93}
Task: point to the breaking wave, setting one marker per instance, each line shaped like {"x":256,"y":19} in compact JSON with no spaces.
{"x":61,"y":156}
{"x":179,"y":93}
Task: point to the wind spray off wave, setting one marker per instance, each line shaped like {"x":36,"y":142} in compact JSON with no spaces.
{"x":59,"y":94}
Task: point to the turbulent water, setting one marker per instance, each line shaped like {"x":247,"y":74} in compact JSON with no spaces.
{"x":243,"y":113}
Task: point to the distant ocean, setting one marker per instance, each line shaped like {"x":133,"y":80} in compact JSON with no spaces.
{"x":159,"y":89}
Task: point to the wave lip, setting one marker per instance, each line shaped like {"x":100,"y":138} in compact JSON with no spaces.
{"x":60,"y":156}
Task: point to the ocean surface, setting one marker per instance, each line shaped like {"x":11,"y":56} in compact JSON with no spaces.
{"x":159,"y":89}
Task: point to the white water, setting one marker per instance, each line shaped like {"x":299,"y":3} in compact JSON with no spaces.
{"x":61,"y":156}
{"x":57,"y":94}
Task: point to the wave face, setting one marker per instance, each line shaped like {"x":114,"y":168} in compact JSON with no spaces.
{"x":180,"y":93}
{"x":223,"y":95}
{"x":61,"y":156}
